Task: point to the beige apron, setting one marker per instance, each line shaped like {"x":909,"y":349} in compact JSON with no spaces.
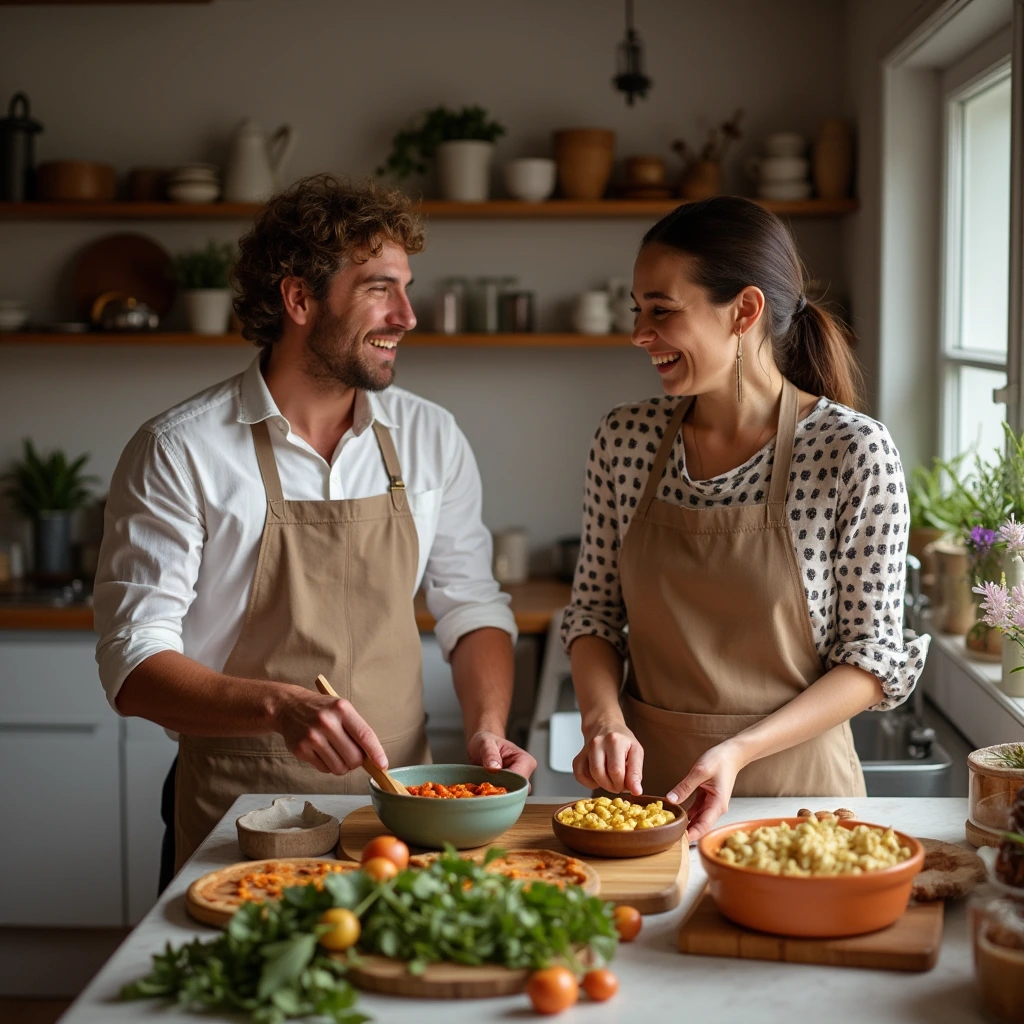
{"x":720,"y":634}
{"x":332,"y":593}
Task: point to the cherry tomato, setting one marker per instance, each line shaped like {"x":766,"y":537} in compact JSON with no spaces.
{"x":389,"y":847}
{"x":380,"y":868}
{"x":628,"y":922}
{"x":600,"y":984}
{"x":552,"y":989}
{"x":344,"y":931}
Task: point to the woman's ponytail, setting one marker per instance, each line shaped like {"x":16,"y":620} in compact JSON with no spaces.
{"x":817,"y":357}
{"x":734,"y":243}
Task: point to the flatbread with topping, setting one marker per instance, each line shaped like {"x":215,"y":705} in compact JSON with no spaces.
{"x":215,"y":897}
{"x":950,"y":872}
{"x":533,"y":866}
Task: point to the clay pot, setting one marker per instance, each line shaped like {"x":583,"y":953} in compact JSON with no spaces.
{"x":832,"y":160}
{"x":79,"y":180}
{"x":584,"y":157}
{"x":955,"y":610}
{"x":644,"y":170}
{"x":919,"y":544}
{"x":701,"y":180}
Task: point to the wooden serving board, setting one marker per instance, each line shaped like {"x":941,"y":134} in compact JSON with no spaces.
{"x":438,"y":981}
{"x":911,"y":944}
{"x":651,"y":884}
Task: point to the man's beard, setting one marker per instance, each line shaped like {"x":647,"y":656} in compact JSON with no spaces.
{"x":335,"y":357}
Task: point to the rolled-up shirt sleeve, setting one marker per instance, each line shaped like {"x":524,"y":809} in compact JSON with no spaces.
{"x":153,"y":534}
{"x":872,"y":527}
{"x":597,"y":608}
{"x":459,"y":586}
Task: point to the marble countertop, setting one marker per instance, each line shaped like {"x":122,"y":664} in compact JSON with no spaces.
{"x":657,"y":982}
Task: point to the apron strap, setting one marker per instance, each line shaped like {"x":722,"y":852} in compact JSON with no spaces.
{"x":268,"y":466}
{"x":784,"y":438}
{"x":658,"y":466}
{"x":391,"y":464}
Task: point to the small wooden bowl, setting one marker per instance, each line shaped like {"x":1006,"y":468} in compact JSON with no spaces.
{"x":638,"y":843}
{"x":78,"y":180}
{"x":822,"y":906}
{"x":1000,"y":974}
{"x":284,"y":830}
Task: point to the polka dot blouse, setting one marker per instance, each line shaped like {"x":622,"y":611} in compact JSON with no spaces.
{"x":847,"y":509}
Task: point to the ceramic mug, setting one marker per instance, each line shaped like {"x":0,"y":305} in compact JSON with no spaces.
{"x":511,"y":556}
{"x":531,"y":179}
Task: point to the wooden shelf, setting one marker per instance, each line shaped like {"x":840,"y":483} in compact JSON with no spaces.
{"x":414,"y":340}
{"x":496,"y":209}
{"x":534,"y":604}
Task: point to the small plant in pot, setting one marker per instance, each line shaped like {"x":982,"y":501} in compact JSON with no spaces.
{"x":462,"y":142}
{"x":47,"y":490}
{"x":204,"y":275}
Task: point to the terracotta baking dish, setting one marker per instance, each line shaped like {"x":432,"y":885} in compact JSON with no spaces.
{"x":826,"y":906}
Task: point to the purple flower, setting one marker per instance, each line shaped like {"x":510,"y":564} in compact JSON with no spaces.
{"x":996,"y":604}
{"x":981,"y":540}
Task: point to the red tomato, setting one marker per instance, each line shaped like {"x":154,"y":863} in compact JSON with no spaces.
{"x":552,"y":989}
{"x":600,"y":984}
{"x":628,"y":922}
{"x":380,"y":868}
{"x":388,"y":847}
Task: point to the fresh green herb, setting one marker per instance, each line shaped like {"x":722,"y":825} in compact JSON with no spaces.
{"x":933,"y":502}
{"x":1014,"y":837}
{"x":456,"y":911}
{"x":1011,"y":755}
{"x":266,"y":963}
{"x":50,"y":484}
{"x":414,"y":146}
{"x":209,"y":267}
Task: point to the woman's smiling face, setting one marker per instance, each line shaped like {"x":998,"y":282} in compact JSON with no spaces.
{"x":691,"y":342}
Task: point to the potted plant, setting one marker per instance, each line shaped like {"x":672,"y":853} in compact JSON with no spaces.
{"x":47,"y":491}
{"x":463,"y":143}
{"x":204,"y":277}
{"x":702,"y":170}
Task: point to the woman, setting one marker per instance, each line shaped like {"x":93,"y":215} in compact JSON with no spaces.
{"x":740,"y":586}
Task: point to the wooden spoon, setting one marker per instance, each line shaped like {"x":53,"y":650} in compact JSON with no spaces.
{"x":379,"y":775}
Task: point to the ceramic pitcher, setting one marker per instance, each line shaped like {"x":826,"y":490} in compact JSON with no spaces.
{"x":256,"y":164}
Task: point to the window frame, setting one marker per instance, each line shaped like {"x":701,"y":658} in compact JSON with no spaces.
{"x":985,"y":66}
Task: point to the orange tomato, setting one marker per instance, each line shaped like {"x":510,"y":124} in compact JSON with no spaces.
{"x":600,"y":984}
{"x":628,"y":922}
{"x":552,"y":989}
{"x":345,"y":929}
{"x":388,"y":847}
{"x":380,"y":868}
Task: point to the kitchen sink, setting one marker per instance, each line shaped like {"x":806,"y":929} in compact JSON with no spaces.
{"x":901,"y":755}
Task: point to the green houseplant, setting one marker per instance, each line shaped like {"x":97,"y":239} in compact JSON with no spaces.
{"x":204,"y":275}
{"x":462,"y":141}
{"x":47,"y":490}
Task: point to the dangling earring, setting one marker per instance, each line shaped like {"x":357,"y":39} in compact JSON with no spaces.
{"x":739,"y":366}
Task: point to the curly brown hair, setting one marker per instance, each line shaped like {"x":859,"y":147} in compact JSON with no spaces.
{"x":310,"y":231}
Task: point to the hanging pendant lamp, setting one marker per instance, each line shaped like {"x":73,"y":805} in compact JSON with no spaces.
{"x":630,"y":60}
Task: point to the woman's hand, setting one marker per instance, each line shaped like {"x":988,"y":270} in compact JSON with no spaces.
{"x":611,"y":759}
{"x":712,"y":778}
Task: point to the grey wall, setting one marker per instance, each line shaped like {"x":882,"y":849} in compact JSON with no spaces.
{"x":161,"y":85}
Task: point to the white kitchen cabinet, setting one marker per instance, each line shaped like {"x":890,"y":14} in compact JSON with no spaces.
{"x":61,"y":811}
{"x":148,"y":753}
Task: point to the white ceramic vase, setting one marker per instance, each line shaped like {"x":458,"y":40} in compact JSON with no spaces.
{"x":464,"y":170}
{"x":208,"y":310}
{"x":531,"y":179}
{"x":1012,"y":682}
{"x":593,"y":314}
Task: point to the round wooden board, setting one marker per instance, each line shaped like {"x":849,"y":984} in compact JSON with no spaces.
{"x":129,"y":263}
{"x":981,"y":836}
{"x":207,"y":911}
{"x":438,"y":981}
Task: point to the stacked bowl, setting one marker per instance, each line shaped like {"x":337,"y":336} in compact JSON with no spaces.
{"x":782,"y":173}
{"x":193,"y":183}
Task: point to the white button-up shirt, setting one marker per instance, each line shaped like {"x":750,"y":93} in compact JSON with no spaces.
{"x":187,"y":505}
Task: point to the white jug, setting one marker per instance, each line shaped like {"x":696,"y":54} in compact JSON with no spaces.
{"x":255,"y":165}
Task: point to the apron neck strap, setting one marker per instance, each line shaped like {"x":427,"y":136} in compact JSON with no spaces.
{"x":391,"y":463}
{"x":268,"y":464}
{"x":784,"y":438}
{"x":660,"y":460}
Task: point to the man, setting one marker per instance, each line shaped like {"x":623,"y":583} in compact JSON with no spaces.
{"x":278,"y":525}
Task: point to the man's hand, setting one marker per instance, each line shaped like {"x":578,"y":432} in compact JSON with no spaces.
{"x":494,"y":751}
{"x":326,"y":732}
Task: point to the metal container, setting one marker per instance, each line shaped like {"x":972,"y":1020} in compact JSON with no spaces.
{"x":450,"y":312}
{"x":515,"y":312}
{"x":17,"y":151}
{"x":53,"y":545}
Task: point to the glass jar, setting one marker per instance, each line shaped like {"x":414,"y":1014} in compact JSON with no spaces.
{"x":450,"y":311}
{"x":997,"y":936}
{"x":992,"y":787}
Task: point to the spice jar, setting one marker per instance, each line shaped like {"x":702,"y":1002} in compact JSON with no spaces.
{"x":450,"y":312}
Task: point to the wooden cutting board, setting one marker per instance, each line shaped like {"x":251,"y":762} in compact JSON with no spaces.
{"x":438,"y":981}
{"x":651,"y":884}
{"x":911,"y":944}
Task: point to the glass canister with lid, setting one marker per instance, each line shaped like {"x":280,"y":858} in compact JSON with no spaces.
{"x":996,"y":774}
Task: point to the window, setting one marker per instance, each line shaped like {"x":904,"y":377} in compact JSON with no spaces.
{"x":977,"y":262}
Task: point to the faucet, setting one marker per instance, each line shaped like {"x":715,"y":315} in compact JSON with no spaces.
{"x":920,"y":736}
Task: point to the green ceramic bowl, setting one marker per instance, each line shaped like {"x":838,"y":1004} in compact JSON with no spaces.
{"x":430,"y":823}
